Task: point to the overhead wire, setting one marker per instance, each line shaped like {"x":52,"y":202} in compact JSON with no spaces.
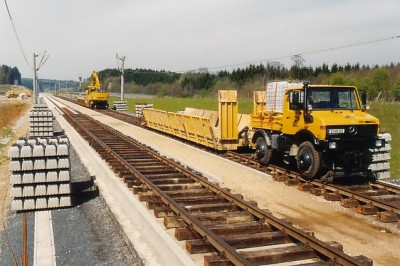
{"x":276,"y":58}
{"x":43,"y":60}
{"x":291,"y":55}
{"x":16,"y":34}
{"x":300,"y":54}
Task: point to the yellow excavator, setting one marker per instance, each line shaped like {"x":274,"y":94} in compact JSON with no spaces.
{"x":16,"y":91}
{"x":94,"y":97}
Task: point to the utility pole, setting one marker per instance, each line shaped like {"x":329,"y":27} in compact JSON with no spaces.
{"x":35,"y":81}
{"x":122,"y":73}
{"x":80,"y":84}
{"x":35,"y":96}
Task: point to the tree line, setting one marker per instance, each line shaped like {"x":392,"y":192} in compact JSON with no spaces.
{"x":381,"y":82}
{"x":10,"y":75}
{"x":141,"y":76}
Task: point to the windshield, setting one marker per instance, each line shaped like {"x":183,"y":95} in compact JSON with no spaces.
{"x":332,"y":98}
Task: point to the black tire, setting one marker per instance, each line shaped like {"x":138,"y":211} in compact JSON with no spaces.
{"x":263,"y":152}
{"x":308,"y":160}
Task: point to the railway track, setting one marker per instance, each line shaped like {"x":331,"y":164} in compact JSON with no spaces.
{"x":212,"y":221}
{"x":122,"y":116}
{"x":381,"y":199}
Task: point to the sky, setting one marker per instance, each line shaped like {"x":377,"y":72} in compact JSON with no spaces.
{"x":184,"y":35}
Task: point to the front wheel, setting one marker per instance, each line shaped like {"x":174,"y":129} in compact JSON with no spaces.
{"x":308,"y":160}
{"x":263,"y":152}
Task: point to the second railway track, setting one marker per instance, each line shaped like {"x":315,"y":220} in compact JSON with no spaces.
{"x":381,"y":198}
{"x":228,"y":229}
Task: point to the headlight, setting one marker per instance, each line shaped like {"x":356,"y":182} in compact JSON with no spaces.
{"x":335,"y":131}
{"x":379,"y":143}
{"x":332,"y":145}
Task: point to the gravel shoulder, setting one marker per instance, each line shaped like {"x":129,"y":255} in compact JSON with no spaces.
{"x":360,"y":235}
{"x":83,"y":235}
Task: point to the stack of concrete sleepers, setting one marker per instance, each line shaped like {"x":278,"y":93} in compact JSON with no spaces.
{"x":139,"y":108}
{"x":40,"y":175}
{"x":121,"y":106}
{"x":275,"y":92}
{"x":380,"y":158}
{"x":40,"y":121}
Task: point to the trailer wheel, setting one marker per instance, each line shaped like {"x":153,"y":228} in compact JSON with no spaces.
{"x":308,"y":160}
{"x":263,"y":152}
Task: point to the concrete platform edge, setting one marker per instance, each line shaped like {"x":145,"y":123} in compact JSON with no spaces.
{"x":132,"y":217}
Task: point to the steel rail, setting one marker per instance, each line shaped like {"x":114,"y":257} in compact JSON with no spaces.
{"x":211,"y":237}
{"x":388,"y":186}
{"x":230,"y":253}
{"x":387,"y":206}
{"x":271,"y":169}
{"x":298,"y":234}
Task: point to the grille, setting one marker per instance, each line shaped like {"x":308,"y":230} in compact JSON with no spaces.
{"x":356,"y":131}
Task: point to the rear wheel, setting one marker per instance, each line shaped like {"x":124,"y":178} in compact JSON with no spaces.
{"x":263,"y":152}
{"x":308,"y":160}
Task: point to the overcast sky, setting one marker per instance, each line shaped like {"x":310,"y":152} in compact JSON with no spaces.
{"x":181,"y":35}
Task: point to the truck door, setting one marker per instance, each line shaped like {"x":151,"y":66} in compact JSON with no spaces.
{"x":293,"y":112}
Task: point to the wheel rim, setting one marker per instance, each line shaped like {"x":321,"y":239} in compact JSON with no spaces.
{"x":305,"y":161}
{"x":260,"y":150}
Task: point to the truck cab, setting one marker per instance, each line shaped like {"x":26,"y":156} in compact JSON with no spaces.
{"x":325,"y":130}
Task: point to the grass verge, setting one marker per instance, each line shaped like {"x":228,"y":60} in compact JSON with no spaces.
{"x":388,"y":114}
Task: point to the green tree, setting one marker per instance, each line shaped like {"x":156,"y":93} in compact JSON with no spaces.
{"x":396,"y":89}
{"x":339,"y":78}
{"x":298,"y":65}
{"x":380,"y":83}
{"x":9,"y":75}
{"x":365,"y":84}
{"x":15,"y":76}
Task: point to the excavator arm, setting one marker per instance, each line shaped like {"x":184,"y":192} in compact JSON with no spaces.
{"x":95,"y":85}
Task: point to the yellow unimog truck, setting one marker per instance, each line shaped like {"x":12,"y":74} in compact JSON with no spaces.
{"x":94,"y":97}
{"x":325,"y":130}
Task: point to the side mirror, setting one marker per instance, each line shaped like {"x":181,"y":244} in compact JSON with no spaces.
{"x":363,"y":95}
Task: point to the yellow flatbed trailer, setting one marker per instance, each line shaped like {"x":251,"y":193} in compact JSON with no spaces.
{"x":217,"y":130}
